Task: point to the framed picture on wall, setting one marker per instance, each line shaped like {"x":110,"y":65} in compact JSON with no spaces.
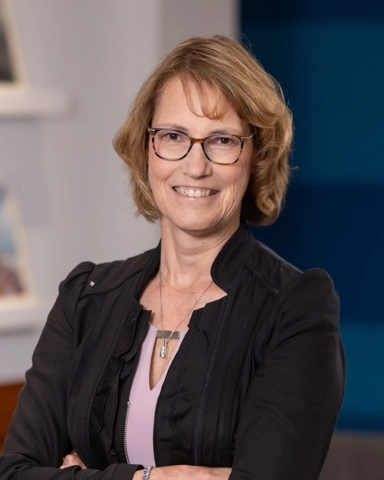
{"x":16,"y":286}
{"x":12,"y":69}
{"x":18,"y":98}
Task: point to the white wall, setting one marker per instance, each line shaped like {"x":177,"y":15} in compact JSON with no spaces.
{"x":182,"y":19}
{"x":72,"y":186}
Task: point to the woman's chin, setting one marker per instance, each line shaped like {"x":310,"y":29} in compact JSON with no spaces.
{"x":198,"y":225}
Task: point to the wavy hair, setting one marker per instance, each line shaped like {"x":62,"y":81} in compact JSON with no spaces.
{"x":227,"y":67}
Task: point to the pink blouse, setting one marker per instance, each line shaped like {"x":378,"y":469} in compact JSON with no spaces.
{"x":142,"y":404}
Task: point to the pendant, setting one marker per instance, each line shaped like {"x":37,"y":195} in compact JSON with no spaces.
{"x":163,"y":350}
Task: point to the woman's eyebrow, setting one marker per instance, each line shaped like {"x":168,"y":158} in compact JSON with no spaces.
{"x":172,"y":126}
{"x":221,"y":131}
{"x":230,"y":131}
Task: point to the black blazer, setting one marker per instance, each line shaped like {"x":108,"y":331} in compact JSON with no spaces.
{"x":256,"y":385}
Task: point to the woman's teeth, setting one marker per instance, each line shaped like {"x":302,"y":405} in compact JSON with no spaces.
{"x":193,"y":192}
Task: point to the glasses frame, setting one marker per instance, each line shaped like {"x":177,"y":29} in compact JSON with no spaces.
{"x":201,"y":141}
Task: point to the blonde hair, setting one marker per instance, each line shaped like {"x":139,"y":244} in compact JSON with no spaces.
{"x":224,"y":65}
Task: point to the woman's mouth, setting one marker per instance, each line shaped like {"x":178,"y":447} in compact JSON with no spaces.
{"x":195,"y":192}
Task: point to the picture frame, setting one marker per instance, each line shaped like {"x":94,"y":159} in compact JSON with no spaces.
{"x":17,"y":291}
{"x":13,"y":78}
{"x":18,"y":98}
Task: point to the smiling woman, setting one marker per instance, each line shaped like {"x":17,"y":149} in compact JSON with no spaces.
{"x":208,"y":357}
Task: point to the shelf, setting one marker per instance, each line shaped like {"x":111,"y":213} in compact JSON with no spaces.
{"x":26,"y":315}
{"x":25,"y":103}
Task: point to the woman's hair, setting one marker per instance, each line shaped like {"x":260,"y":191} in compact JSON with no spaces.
{"x":225,"y":66}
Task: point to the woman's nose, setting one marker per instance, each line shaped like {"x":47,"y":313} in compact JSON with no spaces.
{"x":196,"y":164}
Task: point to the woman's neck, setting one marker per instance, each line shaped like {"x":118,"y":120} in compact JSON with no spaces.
{"x":186,"y":258}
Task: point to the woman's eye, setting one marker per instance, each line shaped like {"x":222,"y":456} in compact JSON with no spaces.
{"x":171,"y":137}
{"x":223,"y":141}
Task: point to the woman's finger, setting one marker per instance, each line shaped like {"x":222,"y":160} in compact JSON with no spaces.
{"x":71,"y":460}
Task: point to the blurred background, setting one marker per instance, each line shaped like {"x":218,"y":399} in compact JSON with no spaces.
{"x":78,"y":66}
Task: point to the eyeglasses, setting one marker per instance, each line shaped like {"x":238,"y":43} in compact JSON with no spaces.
{"x":172,"y":144}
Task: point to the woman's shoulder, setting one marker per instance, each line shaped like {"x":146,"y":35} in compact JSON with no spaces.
{"x":278,"y":274}
{"x":302,"y":301}
{"x":92,"y":278}
{"x":88,"y":280}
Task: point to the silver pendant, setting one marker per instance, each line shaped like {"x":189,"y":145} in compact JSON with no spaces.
{"x":163,"y":350}
{"x":168,"y":334}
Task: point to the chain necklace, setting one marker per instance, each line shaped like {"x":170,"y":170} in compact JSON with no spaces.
{"x":162,"y":333}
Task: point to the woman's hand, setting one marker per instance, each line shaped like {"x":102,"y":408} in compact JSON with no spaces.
{"x":176,"y":472}
{"x":71,"y":460}
{"x":186,"y":472}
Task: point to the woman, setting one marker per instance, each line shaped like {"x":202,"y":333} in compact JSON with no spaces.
{"x":209,"y":356}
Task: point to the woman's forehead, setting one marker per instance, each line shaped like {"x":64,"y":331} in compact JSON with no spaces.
{"x":185,"y":97}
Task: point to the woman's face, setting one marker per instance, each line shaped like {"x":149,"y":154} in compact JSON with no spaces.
{"x":227,"y":184}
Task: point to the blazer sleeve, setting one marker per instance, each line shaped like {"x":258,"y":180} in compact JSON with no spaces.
{"x":37,"y":439}
{"x":296,"y":393}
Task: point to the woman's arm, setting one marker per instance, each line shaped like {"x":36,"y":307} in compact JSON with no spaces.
{"x":186,"y":472}
{"x":38,"y":438}
{"x":177,"y":472}
{"x":295,"y":396}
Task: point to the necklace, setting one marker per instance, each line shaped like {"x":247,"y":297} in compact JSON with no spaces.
{"x":164,"y":346}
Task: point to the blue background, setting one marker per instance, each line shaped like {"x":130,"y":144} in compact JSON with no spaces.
{"x":329,"y":59}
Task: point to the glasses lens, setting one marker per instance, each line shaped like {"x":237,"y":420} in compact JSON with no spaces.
{"x":223,"y":148}
{"x":171,"y":145}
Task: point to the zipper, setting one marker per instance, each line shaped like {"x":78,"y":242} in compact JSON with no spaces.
{"x":94,"y":387}
{"x":198,"y":423}
{"x":154,"y":423}
{"x":120,"y":434}
{"x":125,"y":434}
{"x":227,"y":416}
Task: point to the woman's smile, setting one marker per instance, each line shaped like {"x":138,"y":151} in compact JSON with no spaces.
{"x":195,"y":192}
